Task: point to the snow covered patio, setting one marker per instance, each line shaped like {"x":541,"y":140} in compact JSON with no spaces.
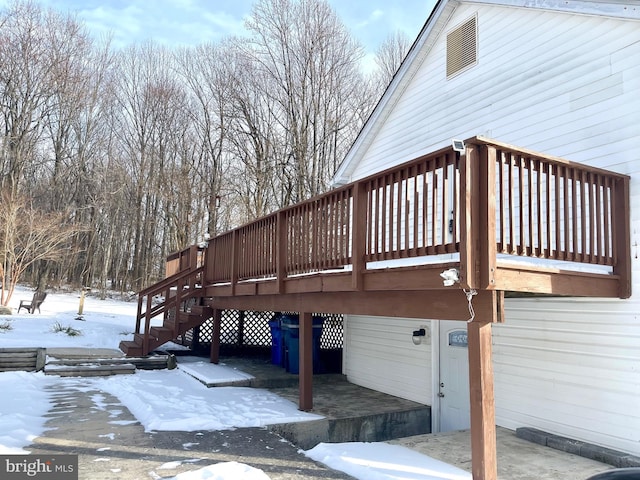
{"x":159,"y":424}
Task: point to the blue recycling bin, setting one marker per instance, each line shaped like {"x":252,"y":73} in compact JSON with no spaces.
{"x":277,"y":341}
{"x":291,"y":329}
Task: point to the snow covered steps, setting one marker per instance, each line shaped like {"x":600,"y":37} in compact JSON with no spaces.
{"x":100,"y":362}
{"x":25,"y":359}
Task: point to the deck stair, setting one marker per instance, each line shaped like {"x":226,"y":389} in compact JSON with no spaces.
{"x":22,"y":359}
{"x":89,"y":367}
{"x":99,"y":367}
{"x":178,"y":301}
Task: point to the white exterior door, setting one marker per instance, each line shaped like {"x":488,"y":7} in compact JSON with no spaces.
{"x":454,"y":377}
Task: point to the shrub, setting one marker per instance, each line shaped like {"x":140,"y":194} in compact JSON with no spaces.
{"x":72,"y":332}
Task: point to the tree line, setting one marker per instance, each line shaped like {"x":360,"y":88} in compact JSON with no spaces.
{"x":111,"y":159}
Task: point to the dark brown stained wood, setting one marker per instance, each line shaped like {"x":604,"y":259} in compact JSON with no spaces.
{"x":360,"y":198}
{"x":313,"y":256}
{"x":281,"y":251}
{"x":450,"y":304}
{"x":544,"y":207}
{"x":234,"y":254}
{"x":425,"y":277}
{"x":482,"y":402}
{"x":215,"y":336}
{"x":306,"y":362}
{"x":547,"y":251}
{"x":522,"y":243}
{"x":469,"y":221}
{"x":487,"y":218}
{"x":622,"y":237}
{"x":562,"y":282}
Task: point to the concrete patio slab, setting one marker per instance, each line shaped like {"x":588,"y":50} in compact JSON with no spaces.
{"x":518,"y":459}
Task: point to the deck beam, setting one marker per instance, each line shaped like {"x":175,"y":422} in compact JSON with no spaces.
{"x":449,"y":304}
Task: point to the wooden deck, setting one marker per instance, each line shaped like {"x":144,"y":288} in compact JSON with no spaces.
{"x":504,"y":219}
{"x":507,"y":219}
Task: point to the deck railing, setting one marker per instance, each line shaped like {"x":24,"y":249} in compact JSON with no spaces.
{"x":186,"y":259}
{"x":494,"y":197}
{"x":164,"y":297}
{"x":550,"y":209}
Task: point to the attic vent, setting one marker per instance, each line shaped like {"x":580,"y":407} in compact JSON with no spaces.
{"x":462,"y":47}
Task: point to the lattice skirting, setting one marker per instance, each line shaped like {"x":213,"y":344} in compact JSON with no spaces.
{"x":251,"y":329}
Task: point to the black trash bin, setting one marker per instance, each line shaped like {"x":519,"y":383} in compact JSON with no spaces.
{"x":290,"y":325}
{"x":618,"y":474}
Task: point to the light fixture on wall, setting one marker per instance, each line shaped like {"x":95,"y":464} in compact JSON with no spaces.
{"x":450,"y":277}
{"x":458,"y":145}
{"x":418,"y":335}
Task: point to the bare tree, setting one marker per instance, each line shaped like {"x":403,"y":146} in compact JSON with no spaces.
{"x":26,"y":72}
{"x":151,"y":126}
{"x":204,"y":70}
{"x":312,"y":61}
{"x":389,"y":57}
{"x":29,"y":236}
{"x":146,"y":150}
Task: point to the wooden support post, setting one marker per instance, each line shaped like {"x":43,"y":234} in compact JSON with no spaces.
{"x":195,"y":339}
{"x":306,"y":362}
{"x":241,"y":317}
{"x":215,"y":336}
{"x":484,"y":464}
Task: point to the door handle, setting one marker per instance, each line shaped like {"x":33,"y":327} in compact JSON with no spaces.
{"x":440,"y":394}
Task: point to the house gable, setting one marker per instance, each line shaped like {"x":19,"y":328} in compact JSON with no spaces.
{"x":546,"y":79}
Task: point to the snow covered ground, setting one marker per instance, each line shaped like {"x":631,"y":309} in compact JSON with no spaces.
{"x":149,"y":396}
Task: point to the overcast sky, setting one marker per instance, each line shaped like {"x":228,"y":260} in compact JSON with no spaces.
{"x":190,"y":22}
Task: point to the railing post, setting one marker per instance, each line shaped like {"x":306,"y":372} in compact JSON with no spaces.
{"x":622,"y":237}
{"x":469,"y":217}
{"x":359,"y":236}
{"x":209,"y":263}
{"x":193,"y":263}
{"x":487,"y":203}
{"x":139,"y":315}
{"x":281,"y":250}
{"x":235,"y":253}
{"x":147,"y":326}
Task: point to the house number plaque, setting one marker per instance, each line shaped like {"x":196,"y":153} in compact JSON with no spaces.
{"x":458,"y":338}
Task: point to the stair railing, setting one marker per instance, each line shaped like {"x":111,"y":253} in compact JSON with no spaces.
{"x":175,"y":290}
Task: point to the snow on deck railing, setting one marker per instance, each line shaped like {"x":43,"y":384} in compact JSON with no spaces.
{"x":495,"y":197}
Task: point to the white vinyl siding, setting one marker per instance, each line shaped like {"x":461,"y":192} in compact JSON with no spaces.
{"x":379,"y":354}
{"x":570,"y":368}
{"x":561,"y":84}
{"x":564,"y":85}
